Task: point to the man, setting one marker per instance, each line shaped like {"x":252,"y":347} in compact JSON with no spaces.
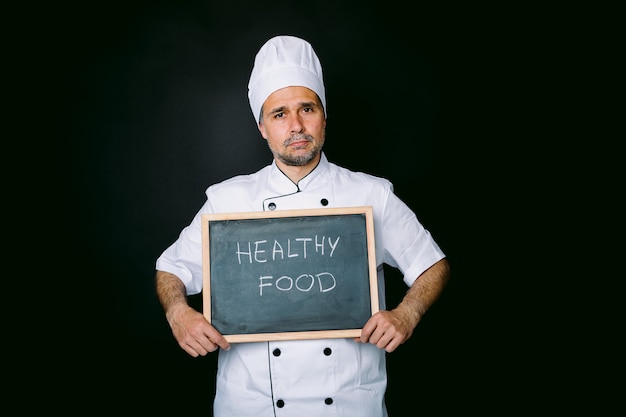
{"x":309,"y":378}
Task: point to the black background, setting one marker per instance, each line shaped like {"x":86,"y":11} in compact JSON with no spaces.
{"x":143,"y":105}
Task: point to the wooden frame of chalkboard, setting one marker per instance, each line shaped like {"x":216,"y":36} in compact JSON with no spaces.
{"x":289,"y":274}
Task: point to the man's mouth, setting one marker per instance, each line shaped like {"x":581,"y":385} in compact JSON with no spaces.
{"x":298,"y":141}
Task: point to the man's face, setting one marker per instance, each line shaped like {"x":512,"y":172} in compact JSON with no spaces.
{"x":293,"y":124}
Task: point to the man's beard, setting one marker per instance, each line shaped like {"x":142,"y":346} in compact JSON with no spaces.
{"x":300,"y":159}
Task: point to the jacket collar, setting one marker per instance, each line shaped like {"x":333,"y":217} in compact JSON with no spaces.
{"x":281,"y":184}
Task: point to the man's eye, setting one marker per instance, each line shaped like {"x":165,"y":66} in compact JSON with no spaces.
{"x":279,"y":115}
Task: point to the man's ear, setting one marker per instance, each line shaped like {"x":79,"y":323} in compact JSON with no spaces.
{"x":262,"y":130}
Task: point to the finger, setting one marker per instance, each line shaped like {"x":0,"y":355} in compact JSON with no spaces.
{"x":200,"y":346}
{"x":384,"y":341}
{"x":377,"y":334}
{"x":222,"y":343}
{"x":393,"y":345}
{"x":193,"y":349}
{"x":217,"y":339}
{"x":366,"y":331}
{"x":209,"y":344}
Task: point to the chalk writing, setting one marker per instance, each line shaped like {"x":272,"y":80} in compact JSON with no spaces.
{"x":259,"y":250}
{"x":304,"y":282}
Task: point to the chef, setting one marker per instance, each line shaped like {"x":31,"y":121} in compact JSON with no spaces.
{"x":302,"y":378}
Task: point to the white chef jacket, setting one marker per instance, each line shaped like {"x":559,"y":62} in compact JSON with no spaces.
{"x":308,"y":378}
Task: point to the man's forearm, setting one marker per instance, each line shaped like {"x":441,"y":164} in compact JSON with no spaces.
{"x":170,"y":290}
{"x":424,"y":292}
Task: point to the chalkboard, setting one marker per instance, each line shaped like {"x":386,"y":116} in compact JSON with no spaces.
{"x":289,"y":274}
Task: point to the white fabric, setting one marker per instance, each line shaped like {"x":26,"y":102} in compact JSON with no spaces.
{"x":284,"y":61}
{"x":250,"y":379}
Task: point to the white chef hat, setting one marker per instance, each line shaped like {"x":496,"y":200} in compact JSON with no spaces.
{"x":284,"y":61}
